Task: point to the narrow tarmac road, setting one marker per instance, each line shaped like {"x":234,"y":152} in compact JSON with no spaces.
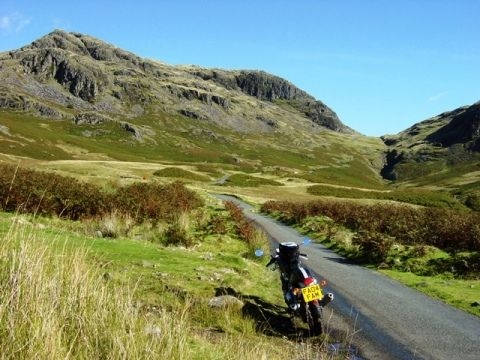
{"x":392,"y":320}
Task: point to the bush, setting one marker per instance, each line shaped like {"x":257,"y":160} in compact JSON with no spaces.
{"x":156,"y":202}
{"x":243,"y":180}
{"x":180,"y":173}
{"x":110,"y":225}
{"x":411,"y":196}
{"x":217,"y":225}
{"x":374,"y":246}
{"x":30,"y":191}
{"x":37,"y":192}
{"x":177,"y":236}
{"x":253,"y":237}
{"x":473,"y":201}
{"x":445,"y":229}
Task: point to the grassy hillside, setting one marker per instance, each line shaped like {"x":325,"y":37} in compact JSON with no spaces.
{"x":117,"y":284}
{"x":439,"y":153}
{"x":181,"y":141}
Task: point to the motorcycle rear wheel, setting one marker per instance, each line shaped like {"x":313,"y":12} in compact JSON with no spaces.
{"x":314,"y":319}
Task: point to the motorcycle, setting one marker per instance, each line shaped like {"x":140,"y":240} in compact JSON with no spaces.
{"x":302,"y":292}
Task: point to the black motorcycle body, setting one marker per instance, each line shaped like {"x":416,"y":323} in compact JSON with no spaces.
{"x":303,"y":293}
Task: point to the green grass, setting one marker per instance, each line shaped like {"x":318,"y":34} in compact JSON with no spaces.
{"x":243,"y":180}
{"x":407,"y":195}
{"x":170,"y":286}
{"x":457,"y":292}
{"x":174,"y":140}
{"x":180,"y":173}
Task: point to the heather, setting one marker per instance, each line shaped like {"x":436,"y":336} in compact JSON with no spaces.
{"x":29,"y":191}
{"x":442,"y":228}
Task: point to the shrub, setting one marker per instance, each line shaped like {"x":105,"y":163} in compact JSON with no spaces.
{"x":176,"y":235}
{"x":374,"y":246}
{"x":180,"y":173}
{"x":179,"y":232}
{"x":243,"y":180}
{"x":473,"y":201}
{"x":217,"y":225}
{"x":411,"y":196}
{"x":156,"y":202}
{"x":30,"y":191}
{"x":42,"y":193}
{"x":446,"y":229}
{"x":110,"y":225}
{"x":253,"y":237}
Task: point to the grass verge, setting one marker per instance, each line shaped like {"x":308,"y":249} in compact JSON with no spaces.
{"x":67,"y":294}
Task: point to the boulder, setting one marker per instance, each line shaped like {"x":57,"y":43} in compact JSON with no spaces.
{"x":224,"y":301}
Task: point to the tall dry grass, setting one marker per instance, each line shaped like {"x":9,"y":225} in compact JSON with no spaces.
{"x":56,"y":305}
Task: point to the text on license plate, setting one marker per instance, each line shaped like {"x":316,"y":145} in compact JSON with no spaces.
{"x":313,"y":292}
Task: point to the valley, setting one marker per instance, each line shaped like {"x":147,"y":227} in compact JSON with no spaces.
{"x":112,"y":161}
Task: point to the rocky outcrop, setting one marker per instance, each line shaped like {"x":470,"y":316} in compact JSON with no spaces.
{"x":89,"y":119}
{"x":5,"y":130}
{"x":448,"y":139}
{"x":195,"y":94}
{"x":191,"y":114}
{"x":20,"y":102}
{"x":269,"y":122}
{"x":140,"y":133}
{"x":132,"y":129}
{"x":85,"y":45}
{"x":79,"y":79}
{"x":463,"y":128}
{"x":224,"y":301}
{"x":268,"y":87}
{"x":271,"y":88}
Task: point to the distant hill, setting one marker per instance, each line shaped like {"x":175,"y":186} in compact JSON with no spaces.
{"x":86,"y":74}
{"x":71,"y":96}
{"x":442,"y":152}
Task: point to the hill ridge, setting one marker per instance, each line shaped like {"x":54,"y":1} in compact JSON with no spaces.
{"x":89,"y":68}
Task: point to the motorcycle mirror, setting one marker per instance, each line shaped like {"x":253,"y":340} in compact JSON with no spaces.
{"x":306,"y":240}
{"x":259,"y":252}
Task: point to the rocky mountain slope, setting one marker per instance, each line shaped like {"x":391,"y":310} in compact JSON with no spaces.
{"x":85,"y":74}
{"x":71,"y":96}
{"x":444,"y":147}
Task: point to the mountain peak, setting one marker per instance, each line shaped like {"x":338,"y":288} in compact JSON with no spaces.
{"x":82,"y":44}
{"x":104,"y":78}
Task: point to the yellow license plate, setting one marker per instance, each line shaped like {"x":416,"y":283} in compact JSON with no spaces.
{"x":313,"y":292}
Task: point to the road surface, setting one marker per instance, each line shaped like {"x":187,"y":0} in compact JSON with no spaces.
{"x":392,"y":320}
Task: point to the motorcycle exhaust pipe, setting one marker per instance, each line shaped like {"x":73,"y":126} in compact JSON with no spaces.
{"x":328,"y":298}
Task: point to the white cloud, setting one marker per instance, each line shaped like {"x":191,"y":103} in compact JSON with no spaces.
{"x":13,"y":23}
{"x":438,"y":96}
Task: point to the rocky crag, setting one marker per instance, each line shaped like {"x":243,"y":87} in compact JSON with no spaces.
{"x":63,"y":75}
{"x":452,"y":137}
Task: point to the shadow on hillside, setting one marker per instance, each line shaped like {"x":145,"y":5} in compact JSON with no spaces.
{"x":270,"y":319}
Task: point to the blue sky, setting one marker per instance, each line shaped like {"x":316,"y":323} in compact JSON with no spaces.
{"x":381,"y":65}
